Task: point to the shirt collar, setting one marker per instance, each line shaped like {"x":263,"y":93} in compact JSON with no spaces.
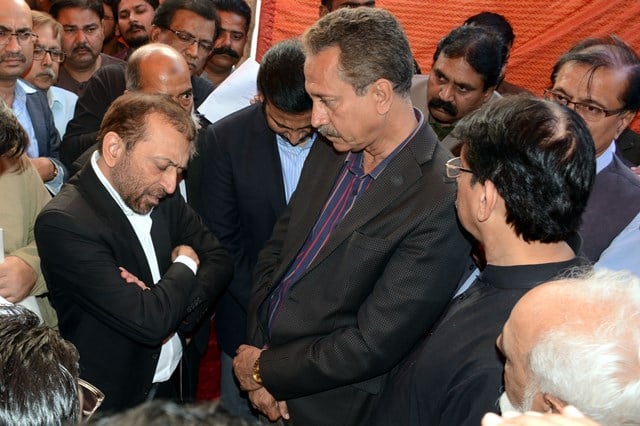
{"x":285,"y":144}
{"x":354,"y":159}
{"x":112,"y":191}
{"x":604,"y":159}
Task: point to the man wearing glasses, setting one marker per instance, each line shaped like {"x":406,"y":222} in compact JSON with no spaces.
{"x":600,"y":79}
{"x":16,"y":54}
{"x":523,"y":181}
{"x":47,"y":56}
{"x":82,"y":40}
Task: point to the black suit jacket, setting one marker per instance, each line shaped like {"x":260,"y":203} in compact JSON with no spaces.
{"x":242,"y":197}
{"x":383,"y":277}
{"x":83,"y":237}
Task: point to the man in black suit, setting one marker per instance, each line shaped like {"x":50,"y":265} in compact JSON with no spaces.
{"x":130,"y":266}
{"x":367,"y":254}
{"x":254,"y":159}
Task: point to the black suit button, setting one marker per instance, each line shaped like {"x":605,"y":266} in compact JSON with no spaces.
{"x":155,"y":356}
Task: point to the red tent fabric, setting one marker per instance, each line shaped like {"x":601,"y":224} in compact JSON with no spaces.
{"x":544,"y":28}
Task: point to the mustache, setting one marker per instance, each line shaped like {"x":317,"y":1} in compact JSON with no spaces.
{"x":326,"y":130}
{"x":83,"y":46}
{"x":226,"y":51}
{"x":448,"y":107}
{"x":133,"y":27}
{"x":47,"y":72}
{"x":9,"y":56}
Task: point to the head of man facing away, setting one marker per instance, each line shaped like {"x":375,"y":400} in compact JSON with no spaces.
{"x":576,"y":342}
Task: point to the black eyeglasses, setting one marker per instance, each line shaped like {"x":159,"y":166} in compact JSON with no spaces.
{"x":56,"y":55}
{"x":92,"y":398}
{"x":587,"y":111}
{"x":23,"y":37}
{"x":189,"y":39}
{"x":454,"y":167}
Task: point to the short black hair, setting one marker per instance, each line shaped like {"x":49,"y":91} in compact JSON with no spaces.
{"x":495,"y":21}
{"x":606,"y":52}
{"x":94,"y":5}
{"x":239,"y":7}
{"x":480,"y":46}
{"x":38,"y":372}
{"x":281,"y":77}
{"x":166,"y":11}
{"x":541,"y":158}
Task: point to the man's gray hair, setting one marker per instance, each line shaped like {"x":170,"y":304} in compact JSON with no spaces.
{"x":596,"y":367}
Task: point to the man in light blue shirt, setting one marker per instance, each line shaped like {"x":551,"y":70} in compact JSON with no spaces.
{"x":43,"y":73}
{"x":253,"y":159}
{"x":16,"y":49}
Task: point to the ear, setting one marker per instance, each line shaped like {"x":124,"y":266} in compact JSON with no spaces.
{"x":322,"y":10}
{"x":555,"y":404}
{"x":623,"y":122}
{"x":488,"y":94}
{"x":382,"y":91}
{"x":489,"y":197}
{"x":155,"y":31}
{"x":113,"y":148}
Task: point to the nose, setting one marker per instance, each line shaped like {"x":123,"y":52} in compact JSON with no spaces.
{"x":192,"y":49}
{"x":169,"y":180}
{"x":46,"y":59}
{"x":13,"y":45}
{"x":224,"y":39}
{"x":295,"y":137}
{"x":318,"y":114}
{"x":80,"y":36}
{"x":446,"y":93}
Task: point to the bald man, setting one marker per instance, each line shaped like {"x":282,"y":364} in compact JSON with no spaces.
{"x":103,"y":88}
{"x":581,"y":350}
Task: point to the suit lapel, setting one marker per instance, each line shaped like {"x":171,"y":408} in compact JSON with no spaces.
{"x":110,"y":213}
{"x":268,"y":157}
{"x":399,"y":175}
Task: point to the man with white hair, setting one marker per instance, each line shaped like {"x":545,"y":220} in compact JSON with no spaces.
{"x":582,"y":349}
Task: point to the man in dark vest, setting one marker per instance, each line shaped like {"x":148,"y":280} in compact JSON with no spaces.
{"x":600,"y":79}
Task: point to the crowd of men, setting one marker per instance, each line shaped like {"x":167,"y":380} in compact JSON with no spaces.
{"x":376,"y":246}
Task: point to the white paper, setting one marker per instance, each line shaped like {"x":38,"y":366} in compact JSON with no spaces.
{"x":1,"y":246}
{"x":234,"y":93}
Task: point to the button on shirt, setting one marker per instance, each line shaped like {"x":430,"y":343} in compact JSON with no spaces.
{"x":171,"y":351}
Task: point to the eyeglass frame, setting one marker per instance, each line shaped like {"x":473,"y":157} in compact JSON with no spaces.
{"x":51,"y":52}
{"x":453,"y":170}
{"x":550,"y":95}
{"x":97,"y":393}
{"x":187,"y":37}
{"x":30,"y":36}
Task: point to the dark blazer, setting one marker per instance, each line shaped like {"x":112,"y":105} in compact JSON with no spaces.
{"x":242,"y":196}
{"x":628,"y":146}
{"x":83,"y":237}
{"x":43,"y":125}
{"x":383,"y":277}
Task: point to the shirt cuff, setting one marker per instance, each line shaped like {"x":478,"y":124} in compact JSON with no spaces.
{"x":188,"y":262}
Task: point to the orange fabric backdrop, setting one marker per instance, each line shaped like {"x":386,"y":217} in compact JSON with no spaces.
{"x":544,"y":28}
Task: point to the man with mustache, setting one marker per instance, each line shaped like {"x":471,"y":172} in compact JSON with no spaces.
{"x":28,"y":104}
{"x":82,"y":39}
{"x":254,"y":157}
{"x":44,"y":69}
{"x":130,"y":266}
{"x":189,"y":26}
{"x":134,"y":22}
{"x":466,"y":69}
{"x":235,"y":17}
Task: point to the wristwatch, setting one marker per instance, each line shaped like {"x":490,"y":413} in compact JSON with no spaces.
{"x":255,"y":373}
